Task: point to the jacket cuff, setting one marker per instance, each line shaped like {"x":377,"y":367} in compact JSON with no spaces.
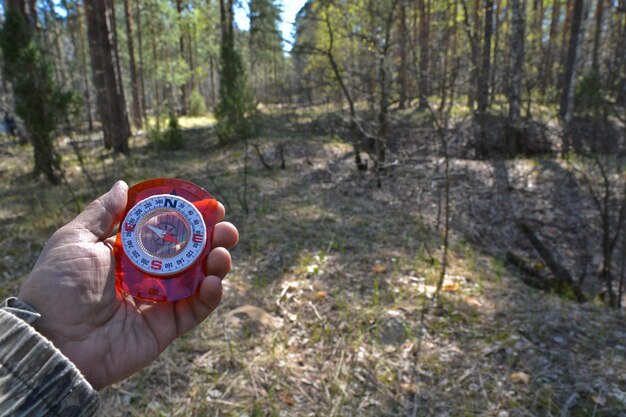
{"x":36,"y":378}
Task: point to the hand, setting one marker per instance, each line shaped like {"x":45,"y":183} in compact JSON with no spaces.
{"x":73,"y":287}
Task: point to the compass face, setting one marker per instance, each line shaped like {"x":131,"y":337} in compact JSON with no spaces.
{"x":163,"y":235}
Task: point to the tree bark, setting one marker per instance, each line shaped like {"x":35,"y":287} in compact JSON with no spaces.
{"x":517,"y":39}
{"x":569,"y":78}
{"x":140,"y":50}
{"x":78,"y":41}
{"x":424,"y":32}
{"x":181,"y":46}
{"x":483,"y":93}
{"x":110,"y":7}
{"x":565,"y":35}
{"x":621,"y":93}
{"x":134,"y":82}
{"x":496,"y":45}
{"x":402,"y":44}
{"x":595,"y":65}
{"x":111,"y":104}
{"x":546,"y":78}
{"x":155,"y":63}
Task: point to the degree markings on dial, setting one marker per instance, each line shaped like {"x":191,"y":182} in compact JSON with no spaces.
{"x":192,"y":240}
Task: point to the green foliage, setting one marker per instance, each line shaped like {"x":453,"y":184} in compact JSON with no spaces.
{"x":589,"y":97}
{"x":265,"y":38}
{"x":236,"y":112}
{"x":171,"y":139}
{"x":197,"y":107}
{"x":38,"y":101}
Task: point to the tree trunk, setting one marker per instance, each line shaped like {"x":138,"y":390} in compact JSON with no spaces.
{"x":424,"y":31}
{"x":191,"y":61}
{"x":181,"y":45}
{"x":110,"y":5}
{"x":212,"y":83}
{"x":140,"y":50}
{"x":595,"y":65}
{"x":111,"y":105}
{"x":55,"y":33}
{"x":78,"y":41}
{"x":565,"y":35}
{"x":546,"y":78}
{"x":518,"y":26}
{"x":621,"y":93}
{"x":569,"y":78}
{"x":402,"y":69}
{"x":475,"y":57}
{"x":155,"y":60}
{"x":496,"y":45}
{"x":483,"y":93}
{"x":134,"y":83}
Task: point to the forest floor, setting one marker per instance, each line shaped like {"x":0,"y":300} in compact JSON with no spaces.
{"x":329,"y":309}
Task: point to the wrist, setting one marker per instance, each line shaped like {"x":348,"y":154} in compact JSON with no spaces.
{"x":21,"y":310}
{"x":37,"y":378}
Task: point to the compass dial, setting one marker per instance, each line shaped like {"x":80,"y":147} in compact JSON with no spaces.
{"x":163,"y":235}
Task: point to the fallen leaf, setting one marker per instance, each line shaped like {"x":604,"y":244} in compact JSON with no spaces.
{"x":287,"y":399}
{"x":379,"y":269}
{"x":321,"y":295}
{"x":254,"y":314}
{"x":452,"y":287}
{"x":409,"y":387}
{"x":599,"y":399}
{"x":520,"y":377}
{"x":473,"y":302}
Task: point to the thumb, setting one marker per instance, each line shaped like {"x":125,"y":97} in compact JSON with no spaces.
{"x":99,"y":218}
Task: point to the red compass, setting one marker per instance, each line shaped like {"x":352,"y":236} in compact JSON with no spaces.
{"x":164,"y":239}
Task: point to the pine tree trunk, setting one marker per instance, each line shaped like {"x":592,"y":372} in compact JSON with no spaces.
{"x":110,"y":8}
{"x":483,"y":93}
{"x":134,"y":84}
{"x":190,"y":58}
{"x":496,"y":46}
{"x":517,"y":39}
{"x":140,"y":50}
{"x":402,"y":69}
{"x":546,"y":78}
{"x":59,"y":57}
{"x":475,"y":57}
{"x":424,"y":31}
{"x":110,"y":104}
{"x":537,"y":51}
{"x":621,"y":89}
{"x":155,"y":60}
{"x":212,"y":83}
{"x":569,"y":78}
{"x":595,"y":65}
{"x":181,"y":45}
{"x":78,"y":41}
{"x":565,"y":35}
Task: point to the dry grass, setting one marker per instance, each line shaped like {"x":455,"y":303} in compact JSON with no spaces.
{"x":336,"y":279}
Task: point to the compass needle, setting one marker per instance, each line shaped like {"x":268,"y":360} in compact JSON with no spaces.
{"x":168,"y":237}
{"x":160,"y":233}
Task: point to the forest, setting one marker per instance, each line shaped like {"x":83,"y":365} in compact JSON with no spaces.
{"x":430,"y":194}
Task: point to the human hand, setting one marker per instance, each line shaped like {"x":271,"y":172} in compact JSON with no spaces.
{"x":72,"y":286}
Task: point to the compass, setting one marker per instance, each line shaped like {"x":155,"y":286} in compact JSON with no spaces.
{"x":164,"y":239}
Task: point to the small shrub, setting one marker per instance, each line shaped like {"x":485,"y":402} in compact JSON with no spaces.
{"x":171,"y":139}
{"x":589,"y":97}
{"x":197,"y":107}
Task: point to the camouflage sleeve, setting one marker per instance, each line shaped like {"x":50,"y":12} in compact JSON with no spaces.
{"x":35,"y":378}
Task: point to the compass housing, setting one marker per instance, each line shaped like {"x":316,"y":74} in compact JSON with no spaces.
{"x":163,"y":240}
